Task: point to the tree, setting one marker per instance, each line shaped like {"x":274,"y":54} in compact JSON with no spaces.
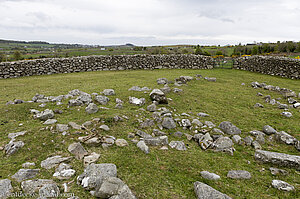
{"x":219,"y":53}
{"x":17,"y":55}
{"x":254,"y":50}
{"x":291,"y":46}
{"x":298,"y":47}
{"x":198,"y":50}
{"x":2,"y":57}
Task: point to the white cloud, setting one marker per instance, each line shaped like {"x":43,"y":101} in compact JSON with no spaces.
{"x":150,"y":22}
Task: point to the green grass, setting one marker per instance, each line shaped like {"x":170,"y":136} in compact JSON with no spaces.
{"x":160,"y":174}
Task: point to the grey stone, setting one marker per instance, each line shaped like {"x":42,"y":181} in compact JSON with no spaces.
{"x":25,"y":174}
{"x":296,"y":105}
{"x":50,"y":121}
{"x":93,"y":157}
{"x":28,"y":165}
{"x":248,"y":140}
{"x":203,"y":115}
{"x":121,"y":142}
{"x":147,"y":123}
{"x":237,"y":139}
{"x":279,"y":159}
{"x":217,"y":131}
{"x":256,"y":145}
{"x":103,"y":100}
{"x":269,"y":130}
{"x":109,"y":187}
{"x":283,"y":106}
{"x":157,"y":132}
{"x":91,"y":108}
{"x":77,"y":150}
{"x":62,"y":127}
{"x":159,"y":96}
{"x":209,"y":176}
{"x":177,"y":90}
{"x":178,"y":134}
{"x":104,"y":127}
{"x":178,"y":145}
{"x":281,"y":185}
{"x":229,"y":128}
{"x":53,"y":161}
{"x":258,"y":105}
{"x":109,"y":92}
{"x":137,"y":101}
{"x":75,"y":102}
{"x":285,"y":138}
{"x":14,"y":135}
{"x":142,"y":134}
{"x":203,"y":191}
{"x":205,"y":141}
{"x":297,"y":145}
{"x":156,"y":141}
{"x":124,"y":193}
{"x":13,"y":146}
{"x":49,"y":191}
{"x":32,"y":186}
{"x":186,"y":123}
{"x":5,"y":188}
{"x":197,"y":122}
{"x":238,"y":174}
{"x":74,"y":125}
{"x":151,"y":108}
{"x":168,"y":123}
{"x":45,"y":115}
{"x":166,"y":89}
{"x":286,"y":114}
{"x":64,"y":171}
{"x":94,"y":175}
{"x":85,"y":98}
{"x":260,"y":139}
{"x":275,"y":171}
{"x":209,"y":124}
{"x":142,"y":145}
{"x":162,"y":81}
{"x":223,"y":143}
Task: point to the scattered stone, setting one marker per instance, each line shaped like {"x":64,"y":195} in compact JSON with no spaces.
{"x":296,"y":105}
{"x":157,"y":132}
{"x":5,"y":188}
{"x":147,"y":123}
{"x":14,"y":135}
{"x":229,"y":128}
{"x":178,"y":134}
{"x":223,"y":144}
{"x":258,"y":105}
{"x":32,"y":186}
{"x":142,"y":134}
{"x":87,"y":124}
{"x":237,"y":139}
{"x":162,"y":81}
{"x":64,"y":171}
{"x":91,"y":108}
{"x":156,"y":141}
{"x":281,"y":185}
{"x":53,"y":161}
{"x":45,"y":115}
{"x":28,"y":165}
{"x":57,"y":111}
{"x":209,"y":124}
{"x":203,"y":191}
{"x":248,"y":140}
{"x":269,"y":130}
{"x":179,"y":145}
{"x":166,"y":89}
{"x":275,"y":171}
{"x":136,"y":101}
{"x":13,"y":146}
{"x":24,"y":174}
{"x":256,"y":145}
{"x":260,"y":138}
{"x":203,"y":115}
{"x":205,"y":141}
{"x":197,"y":122}
{"x":62,"y":127}
{"x":74,"y":125}
{"x":286,"y":114}
{"x":151,"y":108}
{"x":280,"y":159}
{"x":49,"y":190}
{"x":142,"y":145}
{"x":209,"y":176}
{"x":77,"y":150}
{"x":93,"y":157}
{"x":186,"y":123}
{"x":108,"y":92}
{"x":50,"y":121}
{"x":210,"y":79}
{"x":177,"y":90}
{"x":103,"y":100}
{"x":159,"y":96}
{"x":283,"y":106}
{"x":121,"y":142}
{"x":104,"y":127}
{"x":168,"y":123}
{"x":285,"y":138}
{"x":238,"y":174}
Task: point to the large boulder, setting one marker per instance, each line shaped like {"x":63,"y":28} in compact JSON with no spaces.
{"x":229,"y":128}
{"x":94,"y":175}
{"x":285,"y":138}
{"x":280,"y":159}
{"x":203,"y":191}
{"x":159,"y":96}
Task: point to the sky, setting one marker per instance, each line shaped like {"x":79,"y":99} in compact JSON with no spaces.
{"x":150,"y":22}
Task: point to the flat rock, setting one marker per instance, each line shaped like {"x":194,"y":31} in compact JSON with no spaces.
{"x":178,"y":145}
{"x":49,"y":191}
{"x":94,"y":174}
{"x":104,"y":127}
{"x":223,"y":143}
{"x":62,"y":127}
{"x":157,"y":141}
{"x":13,"y":146}
{"x":205,"y":141}
{"x":285,"y":138}
{"x":203,"y":191}
{"x":281,"y":185}
{"x":5,"y":188}
{"x":137,"y":101}
{"x":25,"y":174}
{"x":168,"y":123}
{"x":77,"y":150}
{"x":229,"y":128}
{"x":32,"y":186}
{"x":91,"y":108}
{"x":28,"y":165}
{"x":203,"y":114}
{"x":50,"y":121}
{"x":14,"y":135}
{"x":45,"y":115}
{"x":238,"y":174}
{"x":121,"y":142}
{"x":109,"y":92}
{"x":73,"y":125}
{"x":209,"y":176}
{"x":267,"y":129}
{"x":142,"y":145}
{"x":53,"y":161}
{"x":103,"y":100}
{"x":93,"y":157}
{"x":275,"y":171}
{"x":286,"y":114}
{"x":280,"y":159}
{"x":64,"y":171}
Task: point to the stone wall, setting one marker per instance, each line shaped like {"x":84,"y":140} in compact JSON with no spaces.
{"x":98,"y":63}
{"x":280,"y":66}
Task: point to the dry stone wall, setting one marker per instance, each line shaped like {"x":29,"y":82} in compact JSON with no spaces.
{"x":280,"y":66}
{"x":99,"y":63}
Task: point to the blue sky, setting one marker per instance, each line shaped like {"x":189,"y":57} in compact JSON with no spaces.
{"x":150,"y":22}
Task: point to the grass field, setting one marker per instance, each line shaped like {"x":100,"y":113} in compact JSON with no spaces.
{"x":161,"y":174}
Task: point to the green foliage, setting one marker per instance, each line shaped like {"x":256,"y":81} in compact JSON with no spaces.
{"x":184,"y":51}
{"x":219,"y":53}
{"x":2,"y":57}
{"x":17,"y":55}
{"x":291,"y":46}
{"x":254,"y":50}
{"x":198,"y":50}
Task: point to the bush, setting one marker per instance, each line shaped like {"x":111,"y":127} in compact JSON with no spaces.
{"x":17,"y":55}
